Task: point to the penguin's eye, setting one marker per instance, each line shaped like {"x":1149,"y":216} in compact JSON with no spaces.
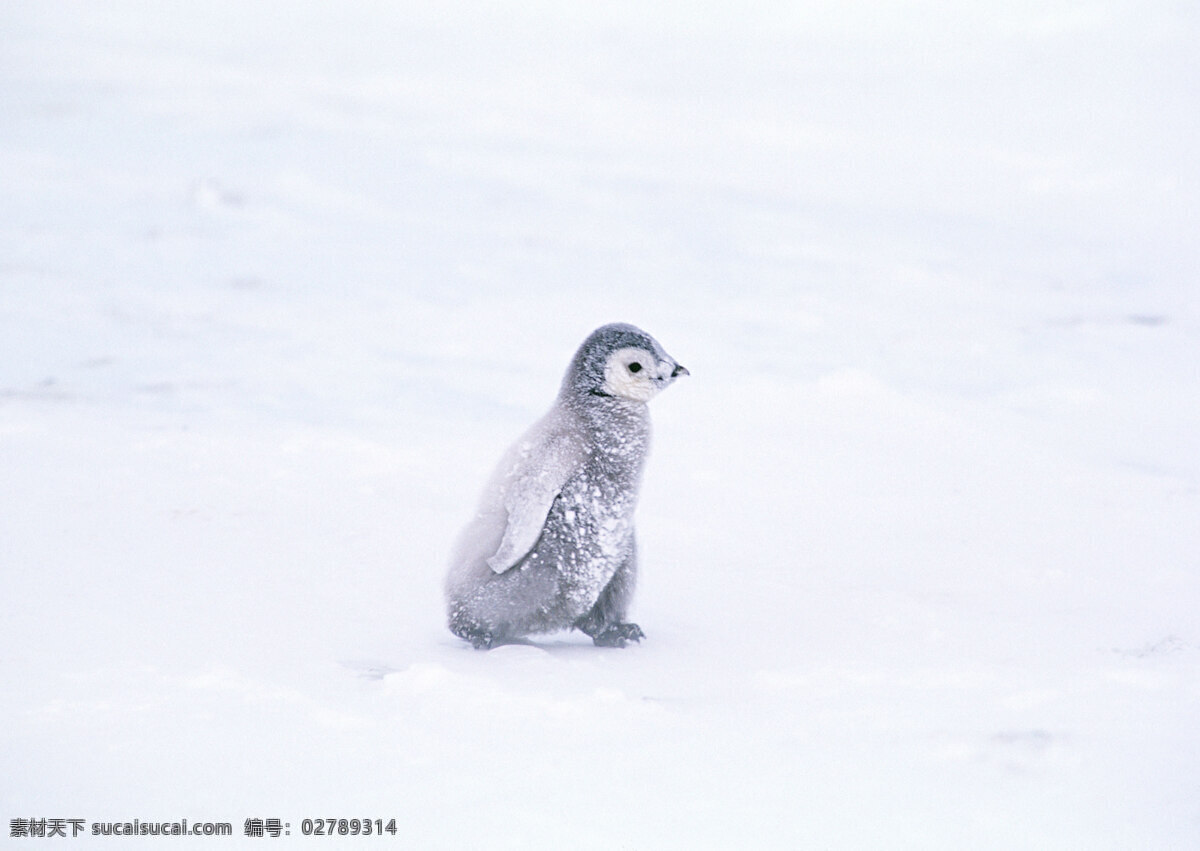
{"x":635,"y":367}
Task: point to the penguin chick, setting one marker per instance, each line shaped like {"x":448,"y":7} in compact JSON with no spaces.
{"x":552,"y":545}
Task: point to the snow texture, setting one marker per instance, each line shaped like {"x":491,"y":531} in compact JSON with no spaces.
{"x":920,"y":537}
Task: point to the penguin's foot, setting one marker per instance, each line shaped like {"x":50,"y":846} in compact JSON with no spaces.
{"x":481,"y":639}
{"x":618,"y":635}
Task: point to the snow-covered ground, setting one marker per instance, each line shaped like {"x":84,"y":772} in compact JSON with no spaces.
{"x":920,"y":535}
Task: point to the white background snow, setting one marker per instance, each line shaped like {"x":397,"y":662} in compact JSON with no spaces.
{"x":920,"y":535}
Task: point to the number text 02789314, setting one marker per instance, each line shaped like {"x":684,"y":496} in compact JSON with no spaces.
{"x":347,"y":827}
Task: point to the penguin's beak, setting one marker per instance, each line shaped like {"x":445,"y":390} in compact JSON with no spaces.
{"x":679,"y":370}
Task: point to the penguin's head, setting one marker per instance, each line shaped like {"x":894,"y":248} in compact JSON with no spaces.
{"x":621,"y":361}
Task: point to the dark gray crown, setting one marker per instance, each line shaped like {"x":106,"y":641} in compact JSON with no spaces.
{"x":586,"y":373}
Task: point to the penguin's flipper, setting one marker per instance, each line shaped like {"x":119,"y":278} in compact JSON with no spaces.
{"x":544,"y":468}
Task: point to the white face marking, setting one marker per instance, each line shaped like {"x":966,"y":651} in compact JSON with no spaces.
{"x":634,"y":374}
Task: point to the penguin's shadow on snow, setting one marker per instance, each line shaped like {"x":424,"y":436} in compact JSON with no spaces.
{"x":562,"y":648}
